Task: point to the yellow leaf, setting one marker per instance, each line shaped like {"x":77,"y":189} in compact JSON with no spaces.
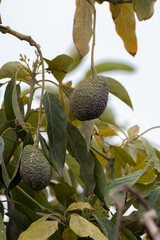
{"x":139,"y":158}
{"x":148,"y":176}
{"x":82,"y":28}
{"x":125,"y":25}
{"x":83,"y":228}
{"x":79,"y":206}
{"x":39,"y":230}
{"x":107,"y":131}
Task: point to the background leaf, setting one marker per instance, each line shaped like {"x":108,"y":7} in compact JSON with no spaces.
{"x":77,"y":60}
{"x":9,"y":70}
{"x":64,"y":193}
{"x":125,"y":25}
{"x":144,"y":8}
{"x":68,"y":234}
{"x":59,"y":66}
{"x":119,"y":91}
{"x":82,"y":28}
{"x":77,"y":148}
{"x":153,"y":200}
{"x":130,"y":179}
{"x":19,"y":218}
{"x":110,"y":66}
{"x":56,"y":129}
{"x":122,"y":156}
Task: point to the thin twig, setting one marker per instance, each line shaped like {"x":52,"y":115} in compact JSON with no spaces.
{"x":147,"y":131}
{"x":6,"y":29}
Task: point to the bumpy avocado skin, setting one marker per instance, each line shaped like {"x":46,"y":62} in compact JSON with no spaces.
{"x":35,"y":169}
{"x":89,"y":99}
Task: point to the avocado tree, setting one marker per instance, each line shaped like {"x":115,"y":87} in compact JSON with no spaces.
{"x":60,"y":171}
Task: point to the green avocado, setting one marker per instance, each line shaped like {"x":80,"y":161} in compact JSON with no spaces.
{"x":89,"y":99}
{"x":35,"y":169}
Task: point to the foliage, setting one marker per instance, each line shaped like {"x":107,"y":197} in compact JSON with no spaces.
{"x":86,"y":164}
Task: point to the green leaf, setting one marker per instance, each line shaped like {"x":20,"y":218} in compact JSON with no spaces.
{"x":56,"y":129}
{"x":19,"y":218}
{"x":144,"y":8}
{"x":106,"y":226}
{"x":127,"y":234}
{"x":79,"y":206}
{"x":68,"y":234}
{"x":9,"y":144}
{"x":110,"y":66}
{"x":67,"y":90}
{"x":9,"y":70}
{"x":122,"y":156}
{"x":64,"y":193}
{"x":59,"y":66}
{"x":153,"y":200}
{"x":125,"y":25}
{"x":132,"y":222}
{"x":8,"y":104}
{"x":74,"y":168}
{"x":45,"y":149}
{"x":77,"y":145}
{"x":83,"y":228}
{"x":3,"y":171}
{"x":82,"y":28}
{"x":40,"y":230}
{"x":144,"y":189}
{"x":119,"y":91}
{"x":150,"y":151}
{"x":100,"y":179}
{"x":16,"y":178}
{"x":130,"y":179}
{"x":88,"y":127}
{"x":2,"y":229}
{"x":15,"y":104}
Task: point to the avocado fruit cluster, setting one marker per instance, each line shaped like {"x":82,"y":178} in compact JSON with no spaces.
{"x":89,"y":100}
{"x":35,"y":169}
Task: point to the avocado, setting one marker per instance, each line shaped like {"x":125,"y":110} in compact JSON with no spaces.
{"x":89,"y":99}
{"x":35,"y":169}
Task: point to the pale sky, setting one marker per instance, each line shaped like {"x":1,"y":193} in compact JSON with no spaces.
{"x":50,"y":22}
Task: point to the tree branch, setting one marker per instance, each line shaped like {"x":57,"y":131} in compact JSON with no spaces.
{"x":6,"y":29}
{"x":149,"y":219}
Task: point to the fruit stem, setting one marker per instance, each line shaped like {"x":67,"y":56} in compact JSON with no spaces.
{"x":94,"y":73}
{"x":41,"y":100}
